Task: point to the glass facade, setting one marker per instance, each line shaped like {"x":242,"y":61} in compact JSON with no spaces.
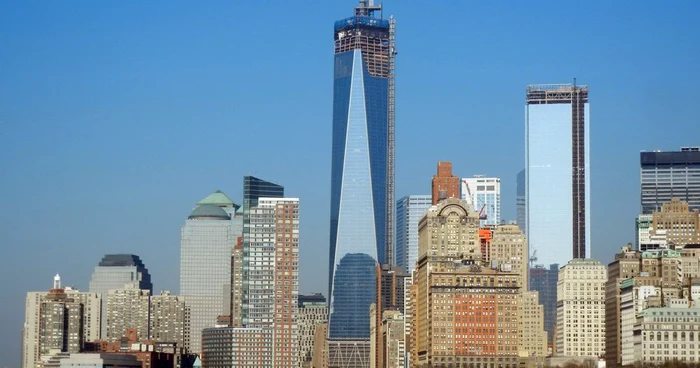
{"x":665,"y":175}
{"x":118,"y":271}
{"x":552,"y":222}
{"x":409,"y":211}
{"x":205,"y":268}
{"x":485,"y":196}
{"x":520,"y":208}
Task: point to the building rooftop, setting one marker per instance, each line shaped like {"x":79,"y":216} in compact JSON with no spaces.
{"x":120,"y":260}
{"x":208,"y":212}
{"x":218,"y":198}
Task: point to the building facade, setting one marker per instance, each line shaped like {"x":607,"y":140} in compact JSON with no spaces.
{"x":532,"y":340}
{"x":237,"y":285}
{"x":245,"y":347}
{"x":520,"y":202}
{"x":508,"y":245}
{"x":544,"y":281}
{"x":391,"y":281}
{"x":207,"y":239}
{"x":581,"y":308}
{"x":409,"y":210}
{"x":167,"y":318}
{"x":667,"y":334}
{"x":445,"y":185}
{"x":485,"y":195}
{"x":362,"y":167}
{"x":677,"y":222}
{"x":313,"y":311}
{"x":665,"y":175}
{"x":128,"y":309}
{"x":118,"y":271}
{"x":557,"y":145}
{"x":253,"y":189}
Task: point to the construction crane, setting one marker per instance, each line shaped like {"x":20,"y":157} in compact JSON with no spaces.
{"x":482,"y":215}
{"x":533,"y":258}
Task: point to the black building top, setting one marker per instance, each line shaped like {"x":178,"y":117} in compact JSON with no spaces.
{"x":683,"y":157}
{"x":313,"y":298}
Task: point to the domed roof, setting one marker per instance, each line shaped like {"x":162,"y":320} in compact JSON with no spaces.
{"x":209,"y":212}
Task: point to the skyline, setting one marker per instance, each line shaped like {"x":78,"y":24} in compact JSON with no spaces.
{"x":150,"y":111}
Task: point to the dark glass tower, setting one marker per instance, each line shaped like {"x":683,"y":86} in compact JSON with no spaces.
{"x":670,"y":174}
{"x":362,"y":166}
{"x":253,"y":189}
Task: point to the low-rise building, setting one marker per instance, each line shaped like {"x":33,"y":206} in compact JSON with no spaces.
{"x":665,"y":334}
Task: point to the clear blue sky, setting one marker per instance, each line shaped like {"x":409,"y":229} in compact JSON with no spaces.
{"x":117,"y":117}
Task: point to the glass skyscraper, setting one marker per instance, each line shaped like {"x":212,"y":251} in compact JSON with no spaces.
{"x":118,"y":271}
{"x":557,"y":180}
{"x":670,"y":174}
{"x":485,"y":195}
{"x":409,"y":210}
{"x":362,"y":167}
{"x":207,"y":239}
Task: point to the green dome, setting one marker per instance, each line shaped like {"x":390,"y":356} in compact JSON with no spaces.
{"x":209,"y":212}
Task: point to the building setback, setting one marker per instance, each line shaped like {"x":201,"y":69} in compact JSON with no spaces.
{"x":665,"y":175}
{"x":557,"y":151}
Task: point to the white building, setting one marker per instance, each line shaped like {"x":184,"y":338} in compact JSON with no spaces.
{"x":207,"y":239}
{"x":664,"y":334}
{"x":581,"y":308}
{"x":409,"y":210}
{"x":484,"y":194}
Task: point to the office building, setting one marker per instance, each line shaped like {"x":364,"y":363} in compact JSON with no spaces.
{"x":665,"y":175}
{"x":557,"y":145}
{"x":390,"y":297}
{"x":544,"y":281}
{"x":207,"y":238}
{"x":390,"y":347}
{"x":253,"y":189}
{"x":127,"y":309}
{"x":508,"y":245}
{"x":485,"y":196}
{"x":312,"y":312}
{"x":520,"y":202}
{"x":581,"y":308}
{"x":118,"y":271}
{"x":362,"y":166}
{"x":678,"y":223}
{"x":409,"y":210}
{"x":59,"y":321}
{"x":167,"y":318}
{"x":532,"y":340}
{"x":667,"y":334}
{"x":450,"y":281}
{"x":445,"y":185}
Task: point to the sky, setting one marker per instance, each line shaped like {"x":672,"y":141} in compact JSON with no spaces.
{"x":117,"y":117}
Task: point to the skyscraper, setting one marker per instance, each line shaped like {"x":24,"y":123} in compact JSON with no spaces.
{"x":520,"y":203}
{"x":557,"y":172}
{"x":445,"y":184}
{"x":118,"y":271}
{"x":362,"y":169}
{"x":485,"y":195}
{"x":207,"y":239}
{"x":544,"y":281}
{"x":409,"y":210}
{"x":167,"y":318}
{"x":665,"y":175}
{"x":253,"y":189}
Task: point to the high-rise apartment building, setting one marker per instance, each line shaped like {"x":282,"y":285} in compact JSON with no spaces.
{"x":544,"y":281}
{"x":128,"y":309}
{"x":409,"y":210}
{"x":520,"y":202}
{"x":485,"y":195}
{"x":312,"y":312}
{"x":58,"y":321}
{"x":118,"y":271}
{"x":167,"y":318}
{"x":680,"y":224}
{"x":665,"y":175}
{"x":207,"y":238}
{"x":445,"y":185}
{"x":557,"y":151}
{"x":253,"y":189}
{"x":273,"y":288}
{"x":237,"y":284}
{"x":362,"y":166}
{"x":581,"y":308}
